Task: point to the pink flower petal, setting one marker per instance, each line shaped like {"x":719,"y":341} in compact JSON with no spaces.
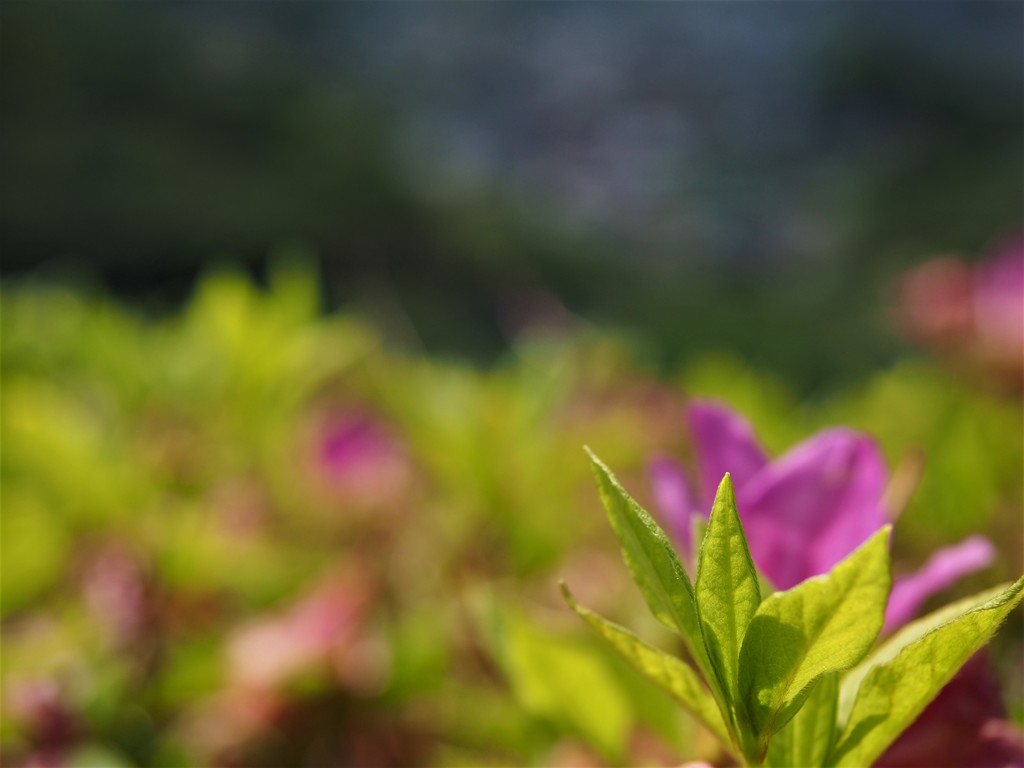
{"x":809,"y":509}
{"x":942,"y":570}
{"x":674,"y":501}
{"x":999,"y":298}
{"x":724,"y":442}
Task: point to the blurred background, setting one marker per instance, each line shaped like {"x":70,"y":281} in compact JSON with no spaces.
{"x":309,"y":307}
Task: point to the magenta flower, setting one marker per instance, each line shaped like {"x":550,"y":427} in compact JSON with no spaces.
{"x":268,"y":652}
{"x":970,"y":313}
{"x":999,"y":305}
{"x":804,"y":511}
{"x":355,"y":456}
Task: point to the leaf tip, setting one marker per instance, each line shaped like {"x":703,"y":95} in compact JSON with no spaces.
{"x":726,"y":489}
{"x":566,"y":594}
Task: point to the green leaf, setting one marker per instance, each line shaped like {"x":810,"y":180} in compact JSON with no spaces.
{"x":727,"y":591}
{"x":824,"y":624}
{"x":565,"y":681}
{"x":807,"y":738}
{"x":894,"y":692}
{"x":901,"y":639}
{"x":653,"y":562}
{"x":672,"y":674}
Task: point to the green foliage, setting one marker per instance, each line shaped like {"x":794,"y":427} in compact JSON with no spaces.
{"x":895,"y":690}
{"x":568,"y":681}
{"x":653,"y":562}
{"x":777,"y":666}
{"x":672,"y":674}
{"x":825,"y":624}
{"x":163,"y":496}
{"x":807,"y":738}
{"x":727,"y":591}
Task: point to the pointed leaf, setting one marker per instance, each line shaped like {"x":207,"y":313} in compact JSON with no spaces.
{"x":808,"y":737}
{"x":565,"y":681}
{"x":824,"y":624}
{"x":672,"y":674}
{"x":653,"y":562}
{"x":894,"y":692}
{"x":907,"y":635}
{"x":727,"y":589}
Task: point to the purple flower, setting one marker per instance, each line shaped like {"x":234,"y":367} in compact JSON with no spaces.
{"x":355,"y":456}
{"x":804,"y":511}
{"x":971,"y":314}
{"x":942,"y":570}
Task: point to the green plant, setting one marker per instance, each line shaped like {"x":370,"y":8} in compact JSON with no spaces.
{"x":789,"y":678}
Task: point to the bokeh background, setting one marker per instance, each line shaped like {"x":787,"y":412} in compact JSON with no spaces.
{"x":308,"y":309}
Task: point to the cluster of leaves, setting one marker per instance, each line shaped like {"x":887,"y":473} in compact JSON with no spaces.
{"x":173,"y":488}
{"x":788,"y":678}
{"x":165,"y":489}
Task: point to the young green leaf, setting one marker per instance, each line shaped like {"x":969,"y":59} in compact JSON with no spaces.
{"x":894,"y":692}
{"x":807,"y":738}
{"x":904,"y":637}
{"x":824,"y":624}
{"x":562,"y":680}
{"x":727,"y":591}
{"x":672,"y":674}
{"x":653,"y":562}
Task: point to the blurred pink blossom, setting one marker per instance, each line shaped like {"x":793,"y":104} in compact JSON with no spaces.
{"x":41,"y":712}
{"x":968,"y":313}
{"x":322,"y":633}
{"x":268,"y":652}
{"x":355,"y":455}
{"x":116,"y":591}
{"x":942,"y":570}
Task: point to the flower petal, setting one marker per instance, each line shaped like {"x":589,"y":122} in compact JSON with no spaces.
{"x":810,"y":508}
{"x":942,"y":570}
{"x":674,"y":501}
{"x":999,"y":297}
{"x":724,"y":442}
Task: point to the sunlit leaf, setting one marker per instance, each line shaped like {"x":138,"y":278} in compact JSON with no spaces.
{"x":894,"y":692}
{"x":824,"y":624}
{"x":727,"y":591}
{"x":672,"y":674}
{"x":904,"y":637}
{"x":806,"y":739}
{"x":653,"y":562}
{"x":565,"y":682}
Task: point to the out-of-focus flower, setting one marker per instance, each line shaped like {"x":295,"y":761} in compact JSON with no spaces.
{"x":323,"y":633}
{"x":355,"y":456}
{"x":972,"y":314}
{"x":117,"y":593}
{"x":315,"y":631}
{"x":43,"y":715}
{"x":942,"y":570}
